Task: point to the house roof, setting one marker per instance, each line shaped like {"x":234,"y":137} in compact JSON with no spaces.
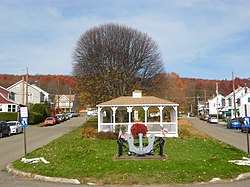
{"x":30,"y":85}
{"x":236,"y":91}
{"x":4,"y":100}
{"x":69,"y":97}
{"x":144,"y":100}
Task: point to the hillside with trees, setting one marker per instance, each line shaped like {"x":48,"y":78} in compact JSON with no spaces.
{"x":185,"y":91}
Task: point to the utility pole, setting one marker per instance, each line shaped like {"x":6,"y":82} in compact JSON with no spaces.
{"x":217,"y":93}
{"x":27,"y":93}
{"x":205,"y":97}
{"x":23,"y":89}
{"x":58,"y":96}
{"x":27,"y":105}
{"x":69,"y":98}
{"x":234,"y":96}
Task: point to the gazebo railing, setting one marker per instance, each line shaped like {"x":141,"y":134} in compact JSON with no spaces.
{"x":167,"y":128}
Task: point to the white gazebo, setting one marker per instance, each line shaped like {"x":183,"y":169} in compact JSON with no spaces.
{"x":159,"y":115}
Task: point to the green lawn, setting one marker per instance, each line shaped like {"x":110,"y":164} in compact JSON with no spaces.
{"x":190,"y":159}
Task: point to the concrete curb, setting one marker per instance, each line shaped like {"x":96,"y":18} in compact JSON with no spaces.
{"x":23,"y":174}
{"x":13,"y":171}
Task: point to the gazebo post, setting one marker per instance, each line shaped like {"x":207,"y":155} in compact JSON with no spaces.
{"x":99,"y":118}
{"x":129,"y":110}
{"x":161,"y":119}
{"x":146,"y":116}
{"x":176,"y":119}
{"x":114,"y":110}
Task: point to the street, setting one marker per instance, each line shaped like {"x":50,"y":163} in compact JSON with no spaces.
{"x":230,"y":136}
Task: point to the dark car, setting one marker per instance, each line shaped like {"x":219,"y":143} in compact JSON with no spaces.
{"x":4,"y":129}
{"x":234,"y":124}
{"x":57,"y":119}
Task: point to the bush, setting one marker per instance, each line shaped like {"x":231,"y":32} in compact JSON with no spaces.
{"x":8,"y":116}
{"x":42,"y":109}
{"x":106,"y":136}
{"x":89,"y":132}
{"x":35,"y":117}
{"x":118,"y":128}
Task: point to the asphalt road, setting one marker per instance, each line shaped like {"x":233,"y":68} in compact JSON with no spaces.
{"x":230,"y":136}
{"x":13,"y":148}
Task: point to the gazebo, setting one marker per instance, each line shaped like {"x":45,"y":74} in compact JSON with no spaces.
{"x":159,"y":115}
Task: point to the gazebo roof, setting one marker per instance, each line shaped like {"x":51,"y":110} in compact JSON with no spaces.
{"x":142,"y":101}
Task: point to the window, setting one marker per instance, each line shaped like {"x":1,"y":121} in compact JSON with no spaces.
{"x":13,"y":108}
{"x":230,"y":102}
{"x":9,"y":108}
{"x":30,"y":97}
{"x":249,"y":99}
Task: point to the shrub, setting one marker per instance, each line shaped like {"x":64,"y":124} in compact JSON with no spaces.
{"x":35,"y":117}
{"x":89,"y":132}
{"x":106,"y":136}
{"x":42,"y":109}
{"x":120,"y":127}
{"x":8,"y":116}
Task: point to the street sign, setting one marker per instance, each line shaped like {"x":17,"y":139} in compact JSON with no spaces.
{"x":24,"y":122}
{"x":24,"y":111}
{"x":247,"y":122}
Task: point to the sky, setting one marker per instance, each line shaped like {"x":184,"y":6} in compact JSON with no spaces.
{"x":206,"y":39}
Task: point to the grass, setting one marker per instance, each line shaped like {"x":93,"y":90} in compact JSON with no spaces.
{"x":194,"y":157}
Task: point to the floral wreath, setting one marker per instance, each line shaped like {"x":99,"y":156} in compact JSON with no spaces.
{"x":138,"y":128}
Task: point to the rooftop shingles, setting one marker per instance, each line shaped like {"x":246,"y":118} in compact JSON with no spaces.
{"x":129,"y":101}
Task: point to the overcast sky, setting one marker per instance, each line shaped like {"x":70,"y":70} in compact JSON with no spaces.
{"x":197,"y":38}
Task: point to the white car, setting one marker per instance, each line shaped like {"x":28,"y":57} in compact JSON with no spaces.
{"x":213,"y":120}
{"x":15,"y":127}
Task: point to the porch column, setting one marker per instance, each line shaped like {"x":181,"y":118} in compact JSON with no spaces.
{"x":129,"y":110}
{"x":146,"y":114}
{"x":99,"y":118}
{"x":175,"y":120}
{"x":161,"y":119}
{"x":113,"y":112}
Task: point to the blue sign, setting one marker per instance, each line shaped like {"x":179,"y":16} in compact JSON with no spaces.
{"x":24,"y":122}
{"x":246,"y":122}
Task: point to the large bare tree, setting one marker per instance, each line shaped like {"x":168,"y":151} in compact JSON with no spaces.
{"x":112,"y":60}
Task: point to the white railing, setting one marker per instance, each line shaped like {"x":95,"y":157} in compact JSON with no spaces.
{"x":170,"y":128}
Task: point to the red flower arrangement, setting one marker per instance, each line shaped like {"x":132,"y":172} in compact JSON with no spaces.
{"x":138,"y":128}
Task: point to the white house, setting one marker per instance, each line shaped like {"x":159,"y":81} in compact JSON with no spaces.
{"x":244,"y":105}
{"x":46,"y":94}
{"x":35,"y":94}
{"x":229,"y":101}
{"x":215,"y":104}
{"x":65,"y":103}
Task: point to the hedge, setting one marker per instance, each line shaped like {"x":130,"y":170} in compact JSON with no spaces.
{"x":35,"y":117}
{"x":8,"y":116}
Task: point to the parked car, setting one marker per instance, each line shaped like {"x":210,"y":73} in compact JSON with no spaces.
{"x":50,"y":121}
{"x":57,"y":119}
{"x":74,"y":114}
{"x":213,"y":120}
{"x":60,"y":117}
{"x":15,"y":127}
{"x":4,"y":129}
{"x":202,"y":117}
{"x":234,"y":124}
